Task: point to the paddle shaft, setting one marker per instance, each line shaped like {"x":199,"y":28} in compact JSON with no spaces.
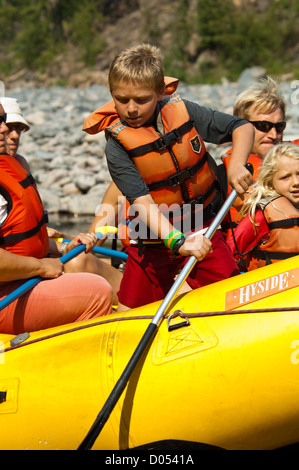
{"x":103,"y":251}
{"x":30,"y":283}
{"x":120,"y":385}
{"x":109,"y":252}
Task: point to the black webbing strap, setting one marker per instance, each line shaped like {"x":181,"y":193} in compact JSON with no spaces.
{"x":164,"y":141}
{"x":292,"y":222}
{"x":27,"y":181}
{"x":17,"y":237}
{"x":268,"y":255}
{"x":180,"y":177}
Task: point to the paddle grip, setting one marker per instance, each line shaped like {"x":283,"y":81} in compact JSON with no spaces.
{"x":103,"y":251}
{"x":249,"y":167}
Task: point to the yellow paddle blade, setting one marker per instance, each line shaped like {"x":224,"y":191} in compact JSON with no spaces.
{"x":106,"y":230}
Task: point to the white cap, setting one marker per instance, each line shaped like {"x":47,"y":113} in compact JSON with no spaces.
{"x":13,"y":111}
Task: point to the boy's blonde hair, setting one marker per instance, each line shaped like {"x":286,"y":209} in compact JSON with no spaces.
{"x":263,"y":190}
{"x":140,"y":65}
{"x":262,"y":98}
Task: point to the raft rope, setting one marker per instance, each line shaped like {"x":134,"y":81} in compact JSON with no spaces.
{"x":233,"y":312}
{"x":149,"y":317}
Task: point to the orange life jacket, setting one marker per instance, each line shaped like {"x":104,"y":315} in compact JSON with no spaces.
{"x":295,"y":142}
{"x":24,"y":230}
{"x":283,"y":242}
{"x":176,"y":165}
{"x":230,"y":221}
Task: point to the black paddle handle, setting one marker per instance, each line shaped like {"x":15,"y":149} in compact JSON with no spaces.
{"x":119,"y":387}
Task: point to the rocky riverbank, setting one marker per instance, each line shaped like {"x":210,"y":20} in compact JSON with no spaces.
{"x":70,"y":166}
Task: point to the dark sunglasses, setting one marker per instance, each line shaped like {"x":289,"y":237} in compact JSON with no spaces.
{"x":19,"y":128}
{"x":266,"y":126}
{"x":3,"y":118}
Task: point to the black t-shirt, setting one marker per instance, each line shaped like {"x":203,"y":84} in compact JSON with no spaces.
{"x":213,"y":126}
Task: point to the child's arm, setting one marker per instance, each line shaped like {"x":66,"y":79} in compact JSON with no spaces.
{"x":239,"y":178}
{"x":198,"y":246}
{"x":107,"y":211}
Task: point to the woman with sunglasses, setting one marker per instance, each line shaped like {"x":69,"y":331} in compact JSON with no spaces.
{"x":264,"y":107}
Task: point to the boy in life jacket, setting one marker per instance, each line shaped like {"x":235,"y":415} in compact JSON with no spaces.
{"x":270,"y":227}
{"x":157,"y":158}
{"x":264,"y":107}
{"x":58,"y":299}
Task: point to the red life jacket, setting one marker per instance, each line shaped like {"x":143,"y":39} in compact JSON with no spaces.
{"x":283,"y":242}
{"x":176,"y":165}
{"x":230,"y":221}
{"x":295,"y":142}
{"x":24,"y":231}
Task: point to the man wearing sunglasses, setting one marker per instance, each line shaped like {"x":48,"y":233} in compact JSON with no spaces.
{"x":12,"y":124}
{"x":264,"y":107}
{"x":16,"y":124}
{"x":24,"y":254}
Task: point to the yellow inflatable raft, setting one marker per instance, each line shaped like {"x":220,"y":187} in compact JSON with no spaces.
{"x":223,"y":374}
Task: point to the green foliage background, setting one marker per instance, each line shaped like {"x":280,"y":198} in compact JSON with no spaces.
{"x":34,"y":32}
{"x":236,"y":38}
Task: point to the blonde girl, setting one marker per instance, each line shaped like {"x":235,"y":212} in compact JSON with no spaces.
{"x":269,"y":230}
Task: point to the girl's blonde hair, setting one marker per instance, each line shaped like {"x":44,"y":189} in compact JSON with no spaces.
{"x":263,"y":190}
{"x":263,"y":98}
{"x":140,"y":65}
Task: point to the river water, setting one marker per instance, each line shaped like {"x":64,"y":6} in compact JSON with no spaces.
{"x":69,"y":225}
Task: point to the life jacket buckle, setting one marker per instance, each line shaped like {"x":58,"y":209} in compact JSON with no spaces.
{"x":161,"y":144}
{"x":183,"y":175}
{"x":179,"y":178}
{"x":168,"y":139}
